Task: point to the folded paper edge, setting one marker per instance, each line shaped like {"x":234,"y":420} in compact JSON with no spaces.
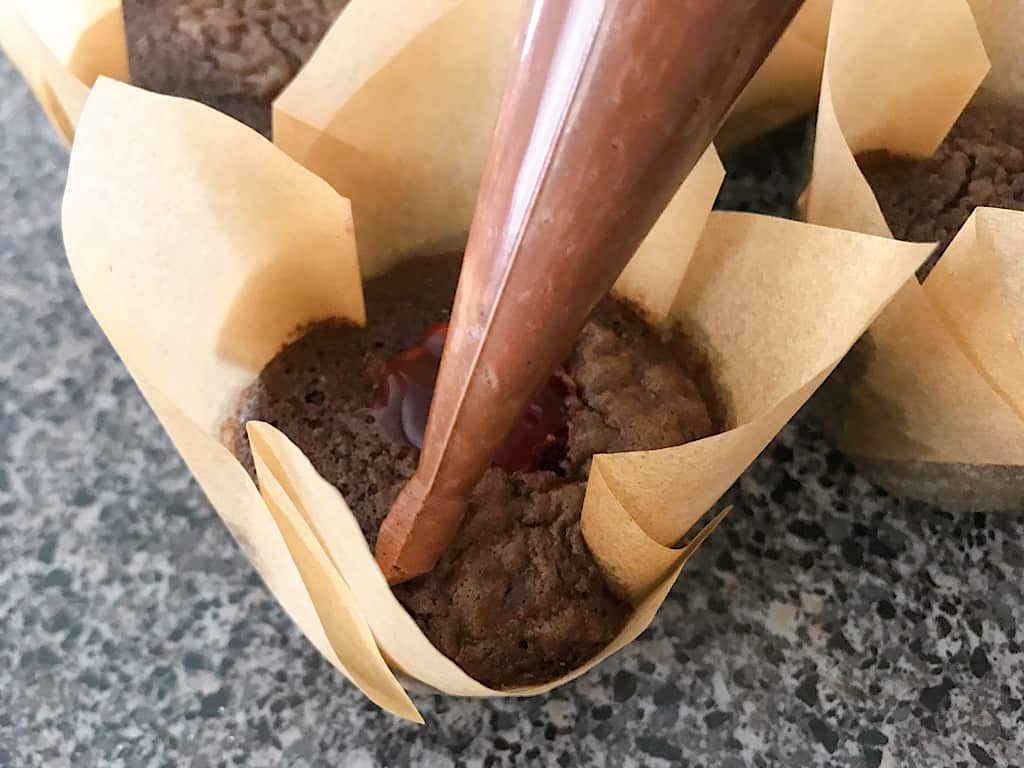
{"x":755,"y":114}
{"x":329,"y":517}
{"x":866,"y":216}
{"x":981,"y":218}
{"x":364,"y":666}
{"x":55,"y":60}
{"x":30,"y":57}
{"x":637,"y":563}
{"x":406,"y":22}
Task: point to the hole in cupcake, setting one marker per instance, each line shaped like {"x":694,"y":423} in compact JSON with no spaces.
{"x":403,"y":391}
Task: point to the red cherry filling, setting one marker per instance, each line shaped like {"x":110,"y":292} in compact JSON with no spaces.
{"x":404,"y":388}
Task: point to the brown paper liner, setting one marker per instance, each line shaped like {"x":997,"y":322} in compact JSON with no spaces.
{"x":787,"y":84}
{"x":930,"y":403}
{"x":200,"y":247}
{"x":61,"y":47}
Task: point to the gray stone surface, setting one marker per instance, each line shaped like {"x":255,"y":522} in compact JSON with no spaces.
{"x":825,"y":624}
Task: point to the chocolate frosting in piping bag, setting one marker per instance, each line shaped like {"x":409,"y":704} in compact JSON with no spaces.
{"x":608,"y":107}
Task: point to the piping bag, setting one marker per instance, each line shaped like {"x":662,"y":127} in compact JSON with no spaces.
{"x":608,"y":106}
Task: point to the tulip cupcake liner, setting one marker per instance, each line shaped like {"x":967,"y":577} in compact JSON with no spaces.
{"x":930,"y":404}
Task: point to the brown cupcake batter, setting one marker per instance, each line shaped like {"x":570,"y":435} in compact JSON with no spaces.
{"x":517,"y":598}
{"x":234,"y":55}
{"x":980,"y":163}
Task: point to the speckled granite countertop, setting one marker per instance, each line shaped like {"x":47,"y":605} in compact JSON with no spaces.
{"x":824,"y":624}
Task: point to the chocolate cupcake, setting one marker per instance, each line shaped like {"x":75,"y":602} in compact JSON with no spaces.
{"x":235,"y":56}
{"x":517,"y":599}
{"x":980,"y":163}
{"x":928,"y":404}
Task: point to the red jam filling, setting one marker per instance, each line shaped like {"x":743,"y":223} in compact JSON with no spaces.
{"x":404,"y":388}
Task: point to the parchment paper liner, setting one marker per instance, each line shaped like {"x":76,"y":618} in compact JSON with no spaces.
{"x":67,"y":44}
{"x":61,"y":47}
{"x":931,"y":402}
{"x":787,"y":84}
{"x":200,"y":248}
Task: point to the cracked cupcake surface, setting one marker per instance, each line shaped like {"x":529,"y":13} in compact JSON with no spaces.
{"x":980,"y":163}
{"x":517,"y":598}
{"x":234,"y":55}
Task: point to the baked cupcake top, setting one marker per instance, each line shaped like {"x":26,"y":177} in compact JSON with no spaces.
{"x":980,"y":163}
{"x":235,"y":56}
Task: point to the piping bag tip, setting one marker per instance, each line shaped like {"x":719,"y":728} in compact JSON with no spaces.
{"x":429,"y":520}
